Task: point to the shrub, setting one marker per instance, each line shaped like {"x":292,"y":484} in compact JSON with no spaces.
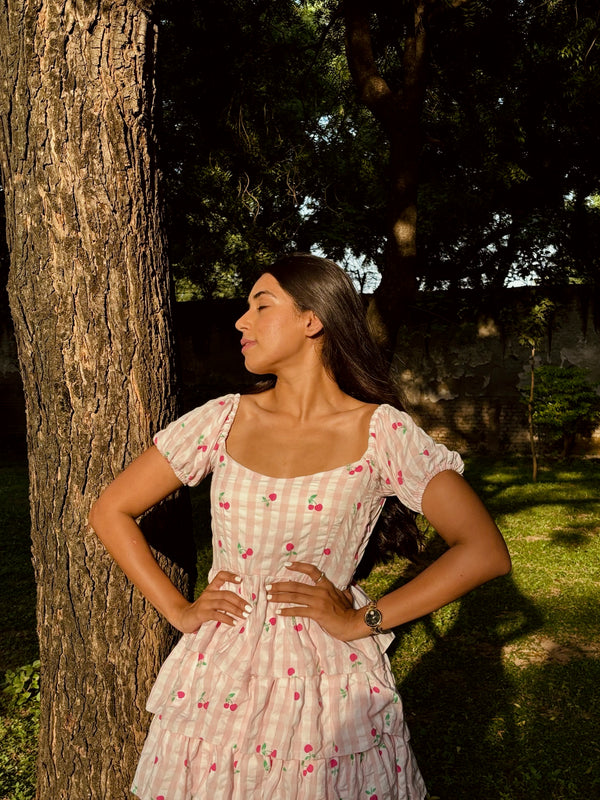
{"x":565,"y":404}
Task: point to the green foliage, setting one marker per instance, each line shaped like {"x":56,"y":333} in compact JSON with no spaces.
{"x":534,"y":324}
{"x":23,"y":685}
{"x":565,"y":403}
{"x":264,"y":145}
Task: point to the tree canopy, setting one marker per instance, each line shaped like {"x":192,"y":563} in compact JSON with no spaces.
{"x":266,"y":144}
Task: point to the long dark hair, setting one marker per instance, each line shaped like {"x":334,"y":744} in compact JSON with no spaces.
{"x":356,"y":363}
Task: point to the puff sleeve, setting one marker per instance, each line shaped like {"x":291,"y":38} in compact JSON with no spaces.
{"x":406,"y":458}
{"x":191,"y":444}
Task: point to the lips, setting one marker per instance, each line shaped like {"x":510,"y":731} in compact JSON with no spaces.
{"x":247,"y":343}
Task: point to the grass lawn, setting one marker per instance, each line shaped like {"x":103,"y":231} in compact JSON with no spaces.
{"x":500,"y":688}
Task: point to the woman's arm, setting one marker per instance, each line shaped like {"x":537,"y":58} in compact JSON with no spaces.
{"x":145,"y":482}
{"x":476,"y":554}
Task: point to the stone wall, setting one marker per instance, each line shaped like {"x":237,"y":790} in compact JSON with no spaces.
{"x":463,"y":369}
{"x":458,"y":361}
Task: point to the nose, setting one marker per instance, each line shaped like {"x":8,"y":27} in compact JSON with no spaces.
{"x":242,"y":322}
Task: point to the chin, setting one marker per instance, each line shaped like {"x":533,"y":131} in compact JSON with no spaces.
{"x":256,"y":369}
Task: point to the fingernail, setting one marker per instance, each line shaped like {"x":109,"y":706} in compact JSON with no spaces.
{"x":268,"y":586}
{"x":287,"y":564}
{"x":237,"y":579}
{"x":269,"y":597}
{"x":248,"y":607}
{"x":278,"y":611}
{"x":245,"y":614}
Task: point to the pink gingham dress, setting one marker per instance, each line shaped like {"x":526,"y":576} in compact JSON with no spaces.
{"x":274,"y":708}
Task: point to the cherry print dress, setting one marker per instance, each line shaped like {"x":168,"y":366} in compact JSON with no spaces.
{"x":274,"y":707}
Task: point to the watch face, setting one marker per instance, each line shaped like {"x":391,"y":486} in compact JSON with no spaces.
{"x":373,"y":617}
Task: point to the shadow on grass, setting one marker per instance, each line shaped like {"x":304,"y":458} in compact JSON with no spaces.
{"x":488,"y":727}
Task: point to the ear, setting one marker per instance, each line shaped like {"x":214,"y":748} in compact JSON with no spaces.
{"x":313,"y":325}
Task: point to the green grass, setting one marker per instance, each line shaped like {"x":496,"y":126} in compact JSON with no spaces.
{"x":500,"y":688}
{"x":18,"y":723}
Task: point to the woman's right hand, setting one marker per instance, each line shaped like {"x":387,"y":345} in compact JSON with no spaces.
{"x":220,"y":605}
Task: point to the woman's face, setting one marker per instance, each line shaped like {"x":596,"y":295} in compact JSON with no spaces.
{"x":275,"y":334}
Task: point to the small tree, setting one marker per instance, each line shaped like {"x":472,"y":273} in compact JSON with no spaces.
{"x":534,"y":327}
{"x":564,"y":404}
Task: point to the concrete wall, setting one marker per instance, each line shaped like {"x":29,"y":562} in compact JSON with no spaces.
{"x":458,"y":361}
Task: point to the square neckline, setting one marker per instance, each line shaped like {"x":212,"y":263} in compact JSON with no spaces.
{"x":230,"y":420}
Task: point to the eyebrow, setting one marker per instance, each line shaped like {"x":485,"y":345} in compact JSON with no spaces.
{"x":258,"y":294}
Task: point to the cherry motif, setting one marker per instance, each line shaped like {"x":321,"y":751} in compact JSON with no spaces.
{"x":245,"y":552}
{"x":291,"y":671}
{"x":201,"y":445}
{"x":223,"y":503}
{"x":327,"y":551}
{"x":312,"y":506}
{"x":298,"y":626}
{"x":296,"y":695}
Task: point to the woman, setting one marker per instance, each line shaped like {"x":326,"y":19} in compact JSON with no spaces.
{"x":280,"y":686}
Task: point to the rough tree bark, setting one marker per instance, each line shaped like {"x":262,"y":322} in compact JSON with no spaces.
{"x":89,"y":295}
{"x":399,"y":112}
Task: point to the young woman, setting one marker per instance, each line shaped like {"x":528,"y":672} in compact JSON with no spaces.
{"x":280,"y":687}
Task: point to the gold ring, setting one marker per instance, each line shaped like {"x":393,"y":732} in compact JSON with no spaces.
{"x":321,"y":576}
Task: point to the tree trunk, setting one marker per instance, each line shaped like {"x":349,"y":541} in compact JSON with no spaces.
{"x":89,"y":295}
{"x":534,"y":460}
{"x":399,"y":114}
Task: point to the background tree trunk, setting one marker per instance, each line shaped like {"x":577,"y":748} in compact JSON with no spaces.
{"x":89,"y":295}
{"x":398,"y":112}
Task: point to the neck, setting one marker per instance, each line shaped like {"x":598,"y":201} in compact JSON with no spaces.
{"x":307,"y":394}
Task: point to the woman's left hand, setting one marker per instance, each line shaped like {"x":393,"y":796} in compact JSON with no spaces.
{"x":322,"y":601}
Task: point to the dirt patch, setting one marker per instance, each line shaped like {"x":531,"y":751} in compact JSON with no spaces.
{"x":542,"y":650}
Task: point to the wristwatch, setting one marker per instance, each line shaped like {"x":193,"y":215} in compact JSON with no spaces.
{"x":373,"y":617}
